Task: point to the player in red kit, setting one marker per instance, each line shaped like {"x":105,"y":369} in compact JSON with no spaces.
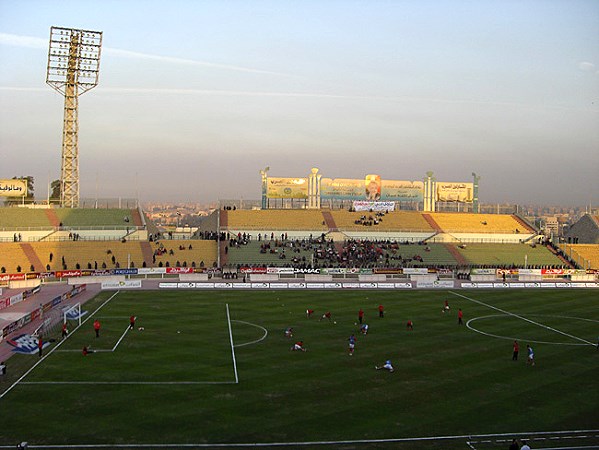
{"x":326,"y":315}
{"x":381,"y":311}
{"x":460,"y":317}
{"x":298,"y":346}
{"x":309,"y":313}
{"x":360,"y":315}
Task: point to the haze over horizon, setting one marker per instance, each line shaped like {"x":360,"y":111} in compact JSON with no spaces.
{"x":194,"y":98}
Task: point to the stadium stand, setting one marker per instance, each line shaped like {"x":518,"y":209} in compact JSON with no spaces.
{"x":276,"y":221}
{"x":15,"y":219}
{"x":479,"y":223}
{"x":509,"y":255}
{"x":89,"y":254}
{"x":400,"y":221}
{"x":12,"y":257}
{"x":184,"y":253}
{"x":585,"y":255}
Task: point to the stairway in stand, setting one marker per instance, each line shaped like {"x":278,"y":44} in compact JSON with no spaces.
{"x":147,"y":252}
{"x":432,"y":223}
{"x":223,"y":223}
{"x":456,"y":254}
{"x":136,"y":217}
{"x":52,"y":217}
{"x":35,"y":261}
{"x":329,"y":221}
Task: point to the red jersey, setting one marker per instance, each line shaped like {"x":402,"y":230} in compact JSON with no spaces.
{"x":381,"y":308}
{"x":97,"y":325}
{"x":360,"y":313}
{"x":460,"y":314}
{"x":516,"y":347}
{"x":327,"y":314}
{"x":132,"y":319}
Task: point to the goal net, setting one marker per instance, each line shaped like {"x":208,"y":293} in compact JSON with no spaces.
{"x":50,"y":325}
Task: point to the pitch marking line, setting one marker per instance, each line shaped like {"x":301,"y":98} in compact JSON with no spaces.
{"x":312,"y":443}
{"x":521,"y":339}
{"x":254,"y":325}
{"x":43,"y":358}
{"x":232,"y":345}
{"x":157,"y":382}
{"x":149,"y":383}
{"x":523,"y":318}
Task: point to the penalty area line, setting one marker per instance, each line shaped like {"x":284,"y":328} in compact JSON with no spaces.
{"x":22,"y":377}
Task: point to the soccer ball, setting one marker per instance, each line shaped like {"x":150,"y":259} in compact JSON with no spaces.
{"x":335,"y":323}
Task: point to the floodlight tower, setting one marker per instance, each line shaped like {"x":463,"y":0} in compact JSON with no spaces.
{"x":73,"y":69}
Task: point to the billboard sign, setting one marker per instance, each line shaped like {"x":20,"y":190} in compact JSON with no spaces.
{"x":287,"y":187}
{"x":342,"y":189}
{"x":402,"y":191}
{"x":372,"y":188}
{"x":13,"y":188}
{"x":455,"y":192}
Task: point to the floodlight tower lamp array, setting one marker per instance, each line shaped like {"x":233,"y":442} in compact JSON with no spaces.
{"x":73,"y":69}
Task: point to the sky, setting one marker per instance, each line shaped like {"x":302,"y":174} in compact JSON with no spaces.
{"x":196,"y":97}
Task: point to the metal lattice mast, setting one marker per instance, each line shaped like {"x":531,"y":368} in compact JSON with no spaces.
{"x":73,"y":69}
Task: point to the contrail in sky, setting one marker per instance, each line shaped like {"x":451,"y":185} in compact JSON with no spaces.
{"x":15,"y":40}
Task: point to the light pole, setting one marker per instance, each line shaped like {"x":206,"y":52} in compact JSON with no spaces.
{"x":73,"y":69}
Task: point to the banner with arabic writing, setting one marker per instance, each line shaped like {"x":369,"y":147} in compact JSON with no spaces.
{"x":13,"y":188}
{"x":455,"y":192}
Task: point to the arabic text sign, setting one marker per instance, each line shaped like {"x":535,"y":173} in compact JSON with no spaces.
{"x":455,"y":192}
{"x":287,"y":188}
{"x":13,"y":188}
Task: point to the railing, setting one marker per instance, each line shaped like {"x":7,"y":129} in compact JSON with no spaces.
{"x":74,"y":228}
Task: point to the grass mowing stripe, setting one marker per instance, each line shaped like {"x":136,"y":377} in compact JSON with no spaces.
{"x":232,"y":345}
{"x":54,"y":349}
{"x":523,"y":318}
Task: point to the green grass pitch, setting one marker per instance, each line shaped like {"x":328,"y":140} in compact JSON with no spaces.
{"x":174,"y":382}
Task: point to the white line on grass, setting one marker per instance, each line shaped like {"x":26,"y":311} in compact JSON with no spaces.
{"x":515,"y":338}
{"x":119,"y":341}
{"x":254,"y":325}
{"x":232,"y":346}
{"x":310,"y":443}
{"x":103,"y":350}
{"x":54,"y":349}
{"x":128,"y":382}
{"x":523,"y":318}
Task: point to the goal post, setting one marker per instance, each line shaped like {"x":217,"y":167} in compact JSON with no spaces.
{"x":72,"y":313}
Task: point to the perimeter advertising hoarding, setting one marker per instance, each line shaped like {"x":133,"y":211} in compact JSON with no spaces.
{"x":13,"y":188}
{"x":455,"y":192}
{"x":371,"y":188}
{"x":287,"y":187}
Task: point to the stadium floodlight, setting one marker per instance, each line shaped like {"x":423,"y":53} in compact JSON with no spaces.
{"x":73,"y":69}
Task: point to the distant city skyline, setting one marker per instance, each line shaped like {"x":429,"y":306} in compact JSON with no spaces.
{"x":195,"y":98}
